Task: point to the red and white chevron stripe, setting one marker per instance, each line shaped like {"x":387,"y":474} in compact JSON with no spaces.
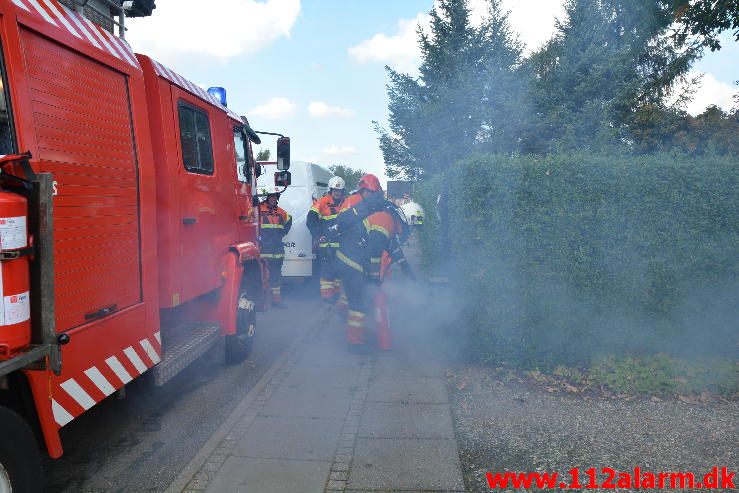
{"x":185,"y":84}
{"x":60,"y":16}
{"x":92,"y":386}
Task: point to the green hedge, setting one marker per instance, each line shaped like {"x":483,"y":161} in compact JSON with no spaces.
{"x":559,"y":259}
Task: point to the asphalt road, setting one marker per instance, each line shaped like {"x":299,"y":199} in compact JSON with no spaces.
{"x":142,"y":442}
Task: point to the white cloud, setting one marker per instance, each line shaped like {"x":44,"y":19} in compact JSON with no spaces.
{"x":318,"y":109}
{"x":533,"y":20}
{"x":334,"y":150}
{"x":187,"y":27}
{"x":711,"y":91}
{"x":399,"y":51}
{"x":274,"y":109}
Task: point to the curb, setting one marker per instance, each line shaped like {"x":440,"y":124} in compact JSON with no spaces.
{"x":197,"y":473}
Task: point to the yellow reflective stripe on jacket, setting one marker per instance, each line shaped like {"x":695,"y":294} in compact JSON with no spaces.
{"x":374,"y":227}
{"x":379,"y":229}
{"x":314,"y":209}
{"x":376,"y":260}
{"x":272,"y":226}
{"x":326,"y":245}
{"x":328,"y":218}
{"x":349,"y":262}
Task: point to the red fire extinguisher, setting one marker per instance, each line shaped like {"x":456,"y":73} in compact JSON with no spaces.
{"x":384,"y":339}
{"x":15,"y":307}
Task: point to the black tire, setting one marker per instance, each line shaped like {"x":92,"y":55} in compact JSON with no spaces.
{"x":238,"y":346}
{"x":20,"y":458}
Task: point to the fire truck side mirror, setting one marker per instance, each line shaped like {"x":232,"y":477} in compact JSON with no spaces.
{"x":282,"y":179}
{"x":283,"y":153}
{"x":258,"y":170}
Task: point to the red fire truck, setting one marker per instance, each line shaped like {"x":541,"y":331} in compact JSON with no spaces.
{"x":128,"y":228}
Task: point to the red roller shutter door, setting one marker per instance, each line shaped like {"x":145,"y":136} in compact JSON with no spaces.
{"x":82,"y":120}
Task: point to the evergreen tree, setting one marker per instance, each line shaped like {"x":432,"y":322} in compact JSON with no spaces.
{"x":462,"y":99}
{"x":607,"y":59}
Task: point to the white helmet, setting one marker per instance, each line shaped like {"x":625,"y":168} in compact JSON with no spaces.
{"x":270,"y":190}
{"x":414,"y":212}
{"x":337,"y":183}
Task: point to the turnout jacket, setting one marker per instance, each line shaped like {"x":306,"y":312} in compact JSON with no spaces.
{"x":355,"y":209}
{"x":274,"y":223}
{"x":321,"y":217}
{"x":351,"y":201}
{"x":363,"y":245}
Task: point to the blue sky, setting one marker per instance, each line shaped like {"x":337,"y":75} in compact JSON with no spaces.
{"x":313,"y":69}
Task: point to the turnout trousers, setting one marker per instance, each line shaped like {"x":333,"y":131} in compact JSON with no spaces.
{"x":274,"y":266}
{"x":328,"y":279}
{"x":355,"y":286}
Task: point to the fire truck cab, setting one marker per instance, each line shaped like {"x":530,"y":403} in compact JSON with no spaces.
{"x":128,"y":227}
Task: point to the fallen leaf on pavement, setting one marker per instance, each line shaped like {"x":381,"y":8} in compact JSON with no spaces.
{"x":687,"y":399}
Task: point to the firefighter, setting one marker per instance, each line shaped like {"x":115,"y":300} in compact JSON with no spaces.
{"x":274,"y":223}
{"x":352,"y":211}
{"x":359,"y":261}
{"x":320,"y":219}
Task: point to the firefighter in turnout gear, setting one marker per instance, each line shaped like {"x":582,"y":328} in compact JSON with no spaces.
{"x":351,"y":212}
{"x":320,"y":219}
{"x":274,"y":223}
{"x":368,"y":229}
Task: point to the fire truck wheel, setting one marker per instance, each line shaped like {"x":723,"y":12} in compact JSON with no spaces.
{"x":21,"y":469}
{"x":238,"y":346}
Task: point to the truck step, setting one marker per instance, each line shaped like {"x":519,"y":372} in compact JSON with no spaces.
{"x":182,"y":345}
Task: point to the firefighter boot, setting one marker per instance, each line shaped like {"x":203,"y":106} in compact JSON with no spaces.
{"x":355,"y":332}
{"x":277,"y":298}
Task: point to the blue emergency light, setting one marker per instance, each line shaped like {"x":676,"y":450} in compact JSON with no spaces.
{"x":219,"y":93}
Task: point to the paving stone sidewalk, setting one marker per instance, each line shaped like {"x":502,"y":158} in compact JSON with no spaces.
{"x":329,"y":421}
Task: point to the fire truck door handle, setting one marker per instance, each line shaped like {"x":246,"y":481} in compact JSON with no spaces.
{"x":189,"y":220}
{"x":101,"y":313}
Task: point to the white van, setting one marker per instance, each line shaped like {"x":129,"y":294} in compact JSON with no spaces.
{"x":309,"y":183}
